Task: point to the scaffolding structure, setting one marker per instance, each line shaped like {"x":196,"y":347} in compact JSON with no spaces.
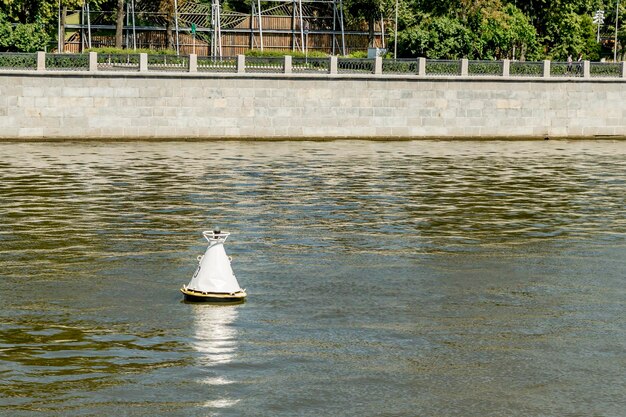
{"x":271,"y":24}
{"x":303,"y":21}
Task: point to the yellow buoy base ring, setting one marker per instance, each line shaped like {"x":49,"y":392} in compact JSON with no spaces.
{"x":213,"y":297}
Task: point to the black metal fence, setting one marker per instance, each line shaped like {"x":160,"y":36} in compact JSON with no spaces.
{"x":332,"y":65}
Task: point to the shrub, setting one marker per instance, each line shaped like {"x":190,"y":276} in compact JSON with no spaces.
{"x":28,"y":37}
{"x":281,"y":53}
{"x":357,"y":55}
{"x":121,"y":51}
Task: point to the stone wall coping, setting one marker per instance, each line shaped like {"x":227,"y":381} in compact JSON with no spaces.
{"x":292,"y":76}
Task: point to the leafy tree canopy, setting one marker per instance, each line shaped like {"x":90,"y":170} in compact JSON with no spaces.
{"x":475,"y":29}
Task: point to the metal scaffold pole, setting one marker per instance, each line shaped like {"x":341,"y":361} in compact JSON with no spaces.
{"x":132,"y":8}
{"x":260,"y":24}
{"x":88,"y":26}
{"x":301,"y":25}
{"x":176,"y":24}
{"x":266,"y":25}
{"x":343,"y":33}
{"x":216,"y":44}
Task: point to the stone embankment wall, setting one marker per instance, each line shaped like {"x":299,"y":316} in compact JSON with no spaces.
{"x":291,"y":106}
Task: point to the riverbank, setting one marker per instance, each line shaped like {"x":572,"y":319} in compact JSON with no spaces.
{"x":162,"y":106}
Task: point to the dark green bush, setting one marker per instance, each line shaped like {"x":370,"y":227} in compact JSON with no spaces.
{"x":281,"y":53}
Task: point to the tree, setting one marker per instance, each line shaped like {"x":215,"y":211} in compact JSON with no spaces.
{"x":369,"y":10}
{"x":503,"y":32}
{"x":166,"y":7}
{"x":438,"y":37}
{"x":119,"y":23}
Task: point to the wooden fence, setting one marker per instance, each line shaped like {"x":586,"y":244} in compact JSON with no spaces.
{"x":240,"y":33}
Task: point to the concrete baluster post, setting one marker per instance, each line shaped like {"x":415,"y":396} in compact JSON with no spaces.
{"x":333,"y":64}
{"x":421,"y":67}
{"x":241,"y":64}
{"x":193,"y":63}
{"x":41,"y":61}
{"x":623,"y":65}
{"x":506,"y":68}
{"x":378,"y":65}
{"x":464,"y":67}
{"x":93,"y":61}
{"x":586,"y":69}
{"x":143,"y":62}
{"x":288,"y":64}
{"x":546,"y":69}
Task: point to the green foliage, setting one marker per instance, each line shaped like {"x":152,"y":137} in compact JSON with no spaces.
{"x":119,"y":59}
{"x":444,"y":29}
{"x":22,"y":36}
{"x":572,"y":34}
{"x":119,"y":51}
{"x":413,"y":42}
{"x":483,"y":31}
{"x":358,"y":54}
{"x":280,"y":53}
{"x":29,"y":37}
{"x":507,"y":33}
{"x":6,"y":33}
{"x":437,"y":38}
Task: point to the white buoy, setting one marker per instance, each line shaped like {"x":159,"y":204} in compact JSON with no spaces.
{"x":214,"y":279}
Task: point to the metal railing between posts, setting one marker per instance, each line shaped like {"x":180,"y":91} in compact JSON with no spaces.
{"x":18,"y":61}
{"x":310,"y":65}
{"x":443,"y":67}
{"x":117,"y":62}
{"x":420,"y":67}
{"x":217,"y":64}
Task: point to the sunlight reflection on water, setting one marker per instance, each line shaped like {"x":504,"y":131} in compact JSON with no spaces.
{"x":409,"y":278}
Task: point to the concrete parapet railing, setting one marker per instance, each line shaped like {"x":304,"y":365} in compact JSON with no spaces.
{"x":333,"y":65}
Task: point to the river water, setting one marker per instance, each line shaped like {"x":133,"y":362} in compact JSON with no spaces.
{"x":396,"y":279}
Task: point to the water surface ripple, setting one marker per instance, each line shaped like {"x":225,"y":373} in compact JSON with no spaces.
{"x":400,"y":279}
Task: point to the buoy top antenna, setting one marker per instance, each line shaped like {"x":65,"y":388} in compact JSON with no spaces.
{"x":215,"y":235}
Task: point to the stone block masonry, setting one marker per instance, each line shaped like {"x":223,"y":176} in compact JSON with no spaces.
{"x":64,"y":106}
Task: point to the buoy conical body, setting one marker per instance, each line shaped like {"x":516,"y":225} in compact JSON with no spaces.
{"x":214,"y":279}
